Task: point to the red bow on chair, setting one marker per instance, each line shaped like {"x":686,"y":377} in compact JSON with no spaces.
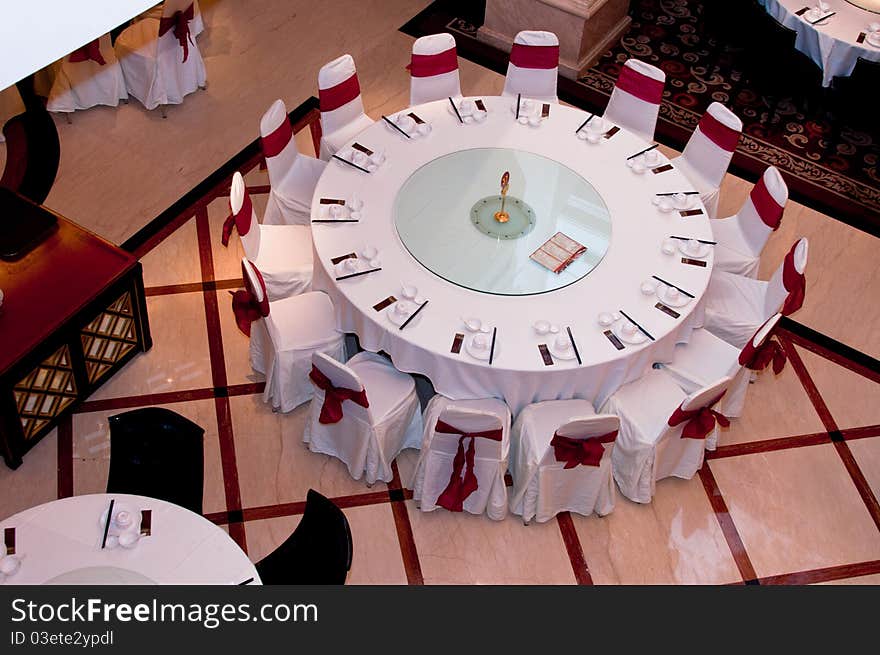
{"x":89,"y":51}
{"x":587,"y":452}
{"x":794,"y":282}
{"x":179,"y":22}
{"x":331,"y":410}
{"x":246,"y":309}
{"x":757,"y":359}
{"x":228,"y":224}
{"x":700,"y":422}
{"x":459,"y":488}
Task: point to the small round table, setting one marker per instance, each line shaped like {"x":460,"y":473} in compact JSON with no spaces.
{"x":423,"y":223}
{"x":60,"y":543}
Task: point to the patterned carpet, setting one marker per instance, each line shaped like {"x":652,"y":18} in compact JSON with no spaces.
{"x":841,"y":180}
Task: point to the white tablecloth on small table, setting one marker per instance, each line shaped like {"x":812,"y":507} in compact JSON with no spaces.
{"x":832,"y":44}
{"x":63,"y":538}
{"x":518,"y":374}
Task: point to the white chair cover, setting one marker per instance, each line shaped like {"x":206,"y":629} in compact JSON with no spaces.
{"x":84,"y":84}
{"x":342,"y":108}
{"x":438,"y":450}
{"x":283,"y":341}
{"x":433,"y":69}
{"x":647,"y":447}
{"x":635,"y":100}
{"x":367,"y":439}
{"x":533,"y":66}
{"x":282,"y":253}
{"x":292,"y":176}
{"x":153,"y":65}
{"x":737,"y":306}
{"x":708,"y":153}
{"x":741,"y":237}
{"x":542,"y":486}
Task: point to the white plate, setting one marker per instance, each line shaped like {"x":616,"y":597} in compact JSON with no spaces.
{"x":476,"y":353}
{"x":662,"y":296}
{"x":701,"y":251}
{"x":568,"y":353}
{"x":636,"y":339}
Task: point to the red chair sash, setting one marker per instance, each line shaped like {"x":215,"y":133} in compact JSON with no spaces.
{"x":640,"y":85}
{"x":431,"y":65}
{"x":700,"y":422}
{"x":179,"y":22}
{"x":331,"y":410}
{"x":335,"y":97}
{"x":534,"y":56}
{"x":459,"y":488}
{"x":586,"y":452}
{"x":241,"y":221}
{"x":245,"y":305}
{"x":274,"y":142}
{"x":90,"y":51}
{"x":765,"y":204}
{"x":718,"y":133}
{"x":757,"y":359}
{"x":795,"y":283}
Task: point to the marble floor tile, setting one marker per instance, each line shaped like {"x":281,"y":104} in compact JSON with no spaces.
{"x":376,"y":557}
{"x":675,"y":539}
{"x":460,"y":548}
{"x":236,"y":345}
{"x":867,"y":455}
{"x":34,"y":482}
{"x":91,"y":451}
{"x":852,"y":399}
{"x":175,"y":260}
{"x":796,"y":510}
{"x":179,"y":358}
{"x":227,"y":259}
{"x":275,"y":466}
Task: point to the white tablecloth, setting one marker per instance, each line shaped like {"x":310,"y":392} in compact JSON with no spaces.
{"x":832,"y":43}
{"x":518,"y":374}
{"x":63,"y":538}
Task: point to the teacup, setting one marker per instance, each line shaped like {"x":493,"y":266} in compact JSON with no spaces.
{"x":665,"y":204}
{"x":647,"y":288}
{"x":467,"y":107}
{"x":629,"y":329}
{"x":128,"y":539}
{"x":355,"y":202}
{"x":406,"y":123}
{"x":480,"y":116}
{"x":597,"y":124}
{"x":593,"y":137}
{"x":562,"y":343}
{"x":370,"y":252}
{"x":472,"y":324}
{"x":681,"y":200}
{"x":9,"y":564}
{"x":401,"y":308}
{"x":377,"y":157}
{"x":335,"y":211}
{"x":122,"y":519}
{"x":360,"y":158}
{"x":534,"y":121}
{"x":480,"y":341}
{"x":355,"y":215}
{"x":350,"y":264}
{"x":668,"y":247}
{"x":542,"y":327}
{"x":605,"y":319}
{"x":823,"y":6}
{"x":526,"y":107}
{"x":409,"y":291}
{"x":651,"y":157}
{"x":424,"y":129}
{"x":693,"y":245}
{"x":637,"y":167}
{"x":672,"y":293}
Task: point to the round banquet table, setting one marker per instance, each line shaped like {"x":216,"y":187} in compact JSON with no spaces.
{"x":60,"y":543}
{"x":436,"y":179}
{"x":832,"y":44}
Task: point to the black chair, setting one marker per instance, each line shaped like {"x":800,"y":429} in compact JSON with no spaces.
{"x":318,"y":552}
{"x":158,"y":453}
{"x":850,"y":99}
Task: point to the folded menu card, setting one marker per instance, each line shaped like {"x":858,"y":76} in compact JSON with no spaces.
{"x":558,"y":252}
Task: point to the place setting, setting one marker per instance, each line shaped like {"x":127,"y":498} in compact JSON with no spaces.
{"x":10,"y":561}
{"x":644,"y":160}
{"x":408,"y":124}
{"x":403,"y":312}
{"x":680,"y":201}
{"x":340,"y":210}
{"x":123,"y":526}
{"x":817,"y":14}
{"x":595,"y":128}
{"x":622,"y":330}
{"x":669,"y":295}
{"x":469,"y":110}
{"x":530,"y":112}
{"x":559,"y":345}
{"x":361,"y":157}
{"x":480,"y":343}
{"x":350,"y":265}
{"x":871,"y":35}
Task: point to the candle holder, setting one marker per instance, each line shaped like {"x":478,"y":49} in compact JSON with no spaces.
{"x":501,"y":217}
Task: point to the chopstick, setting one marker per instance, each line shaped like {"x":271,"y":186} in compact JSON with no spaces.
{"x":672,"y":193}
{"x":492,"y":349}
{"x":335,"y":220}
{"x":819,"y":20}
{"x":350,"y":163}
{"x":413,"y":315}
{"x":394,"y":125}
{"x":642,"y":152}
{"x":455,"y":109}
{"x":669,"y":284}
{"x":584,"y":124}
{"x":574,"y":345}
{"x":107,"y":524}
{"x":345,"y":277}
{"x":643,"y":330}
{"x":248,"y":581}
{"x":711,"y":243}
{"x":518,"y":97}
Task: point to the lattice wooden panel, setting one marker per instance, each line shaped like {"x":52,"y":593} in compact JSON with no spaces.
{"x":109,"y":337}
{"x":44,"y":393}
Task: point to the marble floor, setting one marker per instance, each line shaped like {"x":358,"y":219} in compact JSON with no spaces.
{"x":790,"y":496}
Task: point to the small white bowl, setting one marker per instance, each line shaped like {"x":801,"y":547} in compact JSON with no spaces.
{"x":370,"y":252}
{"x":122,"y":519}
{"x":681,"y":201}
{"x":638,"y":167}
{"x":354,"y":215}
{"x":355,"y":202}
{"x":350,"y":264}
{"x":542,"y":327}
{"x":424,"y":129}
{"x":467,"y":107}
{"x":523,"y":120}
{"x":605,"y":319}
{"x":534,"y":121}
{"x":668,"y":247}
{"x":629,"y":329}
{"x":128,"y":539}
{"x":665,"y":205}
{"x":480,"y":116}
{"x":480,"y":341}
{"x":647,"y":288}
{"x":409,"y":291}
{"x":651,"y":157}
{"x":672,"y":293}
{"x":473,"y":324}
{"x":593,"y":137}
{"x":401,"y":308}
{"x":335,"y":211}
{"x":562,"y":343}
{"x":9,"y":564}
{"x":582,"y":135}
{"x":874,"y":27}
{"x":372,"y":168}
{"x":360,"y":158}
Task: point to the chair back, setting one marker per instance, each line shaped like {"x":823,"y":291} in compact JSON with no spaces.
{"x":319,"y":551}
{"x":710,"y":148}
{"x":582,"y":428}
{"x":763,"y":333}
{"x":703,"y":397}
{"x":468,"y":421}
{"x":245,"y":217}
{"x":256,"y":286}
{"x":339,"y":94}
{"x":433,"y":69}
{"x":533,"y":66}
{"x":635,"y":100}
{"x":786,"y":278}
{"x":277,"y":142}
{"x":343,"y":377}
{"x":761,"y":214}
{"x":157,"y":453}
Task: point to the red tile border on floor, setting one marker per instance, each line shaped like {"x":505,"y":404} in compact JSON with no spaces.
{"x":573,"y":548}
{"x":127,"y":402}
{"x":860,"y":433}
{"x":768,"y":445}
{"x":65,"y":457}
{"x":824,"y":575}
{"x":830,"y":355}
{"x":858,"y":478}
{"x":728,"y":528}
{"x":794,"y":359}
{"x":408,"y":551}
